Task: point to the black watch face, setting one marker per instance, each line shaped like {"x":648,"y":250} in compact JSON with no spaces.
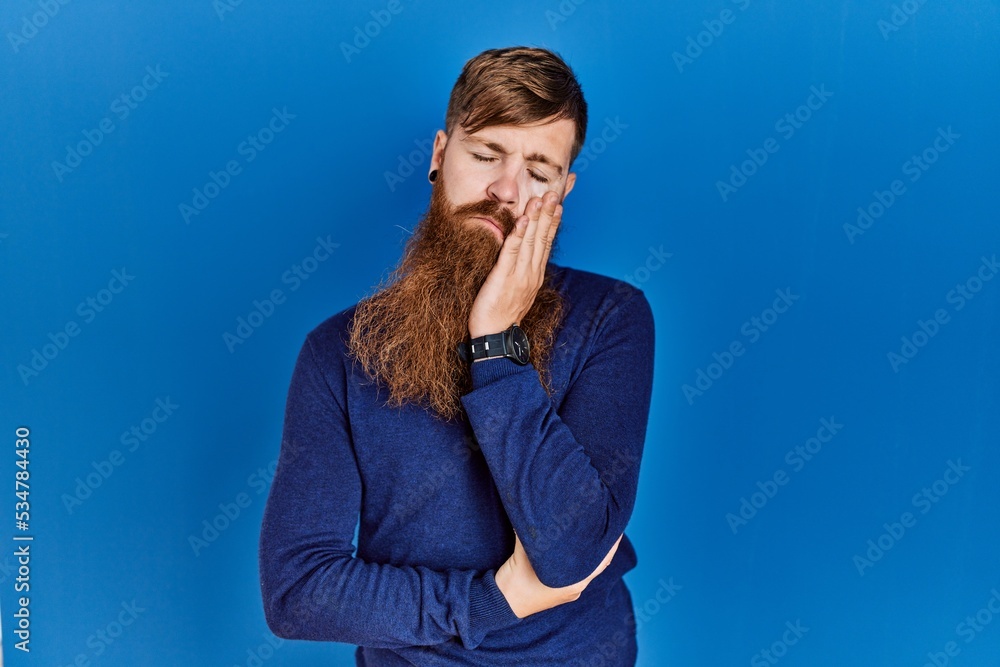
{"x":519,"y":341}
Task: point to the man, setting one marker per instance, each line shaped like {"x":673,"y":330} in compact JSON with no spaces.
{"x":482,"y":415}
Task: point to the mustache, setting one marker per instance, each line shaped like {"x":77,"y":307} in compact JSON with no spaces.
{"x":489,"y":208}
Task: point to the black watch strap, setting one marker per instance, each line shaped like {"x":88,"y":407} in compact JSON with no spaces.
{"x":490,"y":345}
{"x":493,"y":346}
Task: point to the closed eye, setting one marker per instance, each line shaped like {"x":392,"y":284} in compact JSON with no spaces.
{"x":487,"y":158}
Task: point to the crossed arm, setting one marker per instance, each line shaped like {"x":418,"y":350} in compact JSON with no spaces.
{"x":567,"y":482}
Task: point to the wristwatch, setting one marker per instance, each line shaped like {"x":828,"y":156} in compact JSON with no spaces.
{"x":512,"y":343}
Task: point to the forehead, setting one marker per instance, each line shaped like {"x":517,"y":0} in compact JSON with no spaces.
{"x":551,"y":138}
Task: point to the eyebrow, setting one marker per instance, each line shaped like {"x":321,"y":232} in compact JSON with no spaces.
{"x":534,"y":157}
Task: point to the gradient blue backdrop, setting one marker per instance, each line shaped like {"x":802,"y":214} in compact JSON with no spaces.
{"x":679,"y":97}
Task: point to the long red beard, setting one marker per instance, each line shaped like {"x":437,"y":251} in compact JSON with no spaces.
{"x":406,"y":334}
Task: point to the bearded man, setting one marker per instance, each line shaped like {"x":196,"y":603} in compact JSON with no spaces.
{"x":480,"y":417}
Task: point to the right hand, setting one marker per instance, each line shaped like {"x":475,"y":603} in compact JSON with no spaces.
{"x":526,"y":595}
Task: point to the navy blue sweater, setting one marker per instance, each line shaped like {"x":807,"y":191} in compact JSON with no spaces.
{"x":438,"y":501}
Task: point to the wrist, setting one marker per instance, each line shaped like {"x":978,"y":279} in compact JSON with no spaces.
{"x":510,"y":343}
{"x":485,"y":329}
{"x":504,"y":579}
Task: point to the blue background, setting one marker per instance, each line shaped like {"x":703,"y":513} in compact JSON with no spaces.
{"x":649,"y":187}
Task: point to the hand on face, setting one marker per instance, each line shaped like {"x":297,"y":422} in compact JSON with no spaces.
{"x":510,"y":288}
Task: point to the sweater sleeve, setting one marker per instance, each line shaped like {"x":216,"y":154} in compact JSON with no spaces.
{"x":312,"y":587}
{"x":568,"y":480}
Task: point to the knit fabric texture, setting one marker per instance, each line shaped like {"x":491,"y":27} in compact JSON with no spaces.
{"x":434,"y":504}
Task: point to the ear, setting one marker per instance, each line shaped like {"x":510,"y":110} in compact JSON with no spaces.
{"x":437,"y":153}
{"x":570,"y":182}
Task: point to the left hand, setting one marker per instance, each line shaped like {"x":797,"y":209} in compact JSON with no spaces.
{"x":527,"y":595}
{"x":510,"y":288}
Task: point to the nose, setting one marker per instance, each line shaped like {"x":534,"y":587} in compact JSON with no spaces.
{"x":504,"y":189}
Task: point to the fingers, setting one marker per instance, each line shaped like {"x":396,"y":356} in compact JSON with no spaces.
{"x":543,"y":218}
{"x":526,"y":249}
{"x":551,"y":213}
{"x":511,"y":249}
{"x":533,"y":211}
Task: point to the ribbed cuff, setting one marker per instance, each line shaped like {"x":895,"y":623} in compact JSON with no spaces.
{"x":485,"y":372}
{"x":488,"y":609}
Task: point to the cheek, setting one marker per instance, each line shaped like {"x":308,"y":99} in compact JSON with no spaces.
{"x":538,"y":188}
{"x":532,"y":188}
{"x":463,"y":187}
